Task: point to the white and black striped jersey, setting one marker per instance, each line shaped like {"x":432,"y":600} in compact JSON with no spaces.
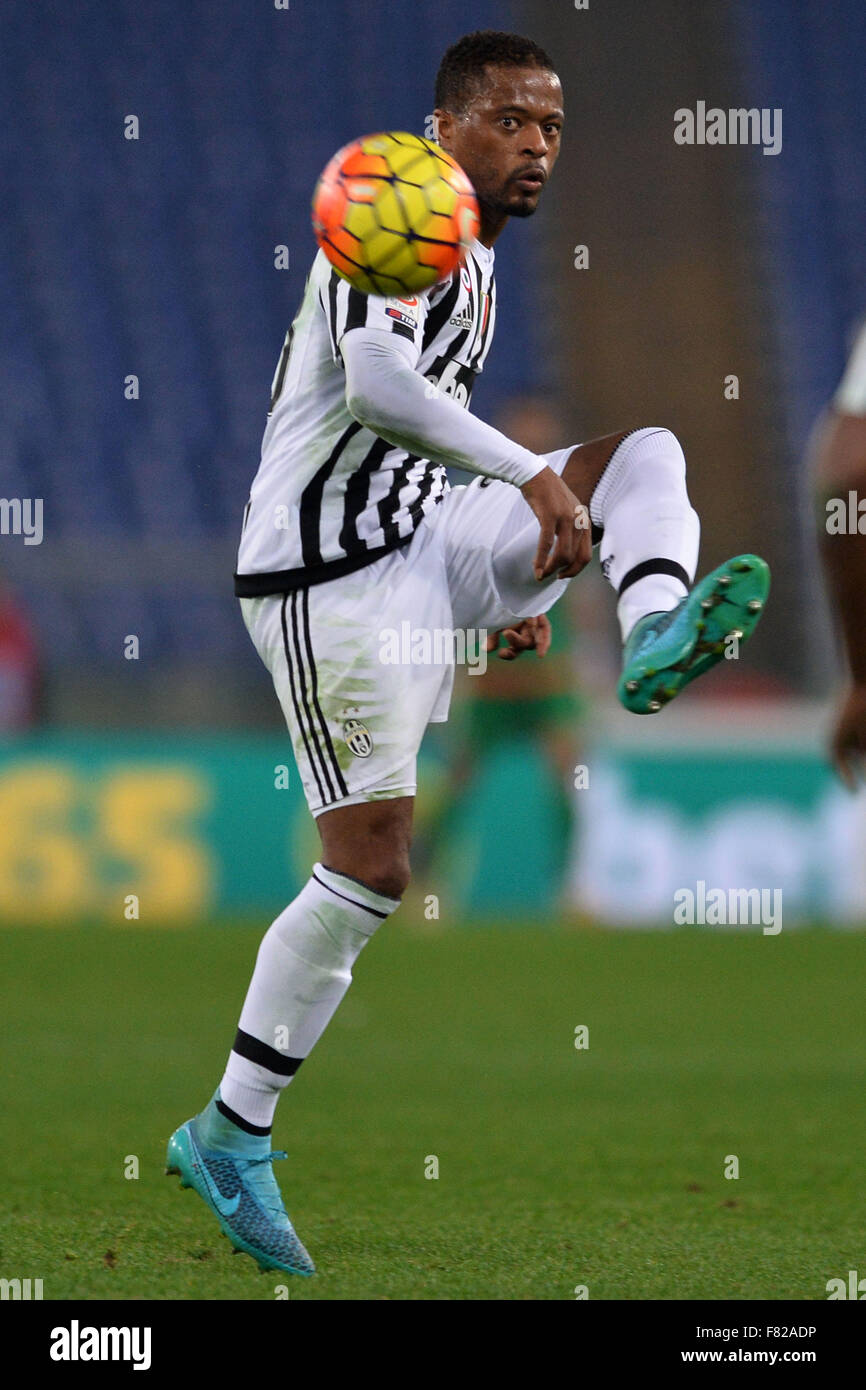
{"x":330,"y":495}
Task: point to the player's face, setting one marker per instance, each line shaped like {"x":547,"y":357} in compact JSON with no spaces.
{"x":508,"y":139}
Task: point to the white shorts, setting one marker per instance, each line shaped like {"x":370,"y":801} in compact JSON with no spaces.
{"x":362,"y":664}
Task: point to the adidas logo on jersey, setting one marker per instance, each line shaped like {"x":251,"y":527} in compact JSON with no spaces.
{"x":461,"y":321}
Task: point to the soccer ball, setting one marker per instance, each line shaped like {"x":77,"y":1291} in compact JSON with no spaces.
{"x":394,"y":213}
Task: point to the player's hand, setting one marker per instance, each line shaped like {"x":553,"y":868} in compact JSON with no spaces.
{"x":848,"y":741}
{"x":565,"y":542}
{"x":533,"y":634}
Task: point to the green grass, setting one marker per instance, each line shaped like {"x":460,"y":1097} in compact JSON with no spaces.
{"x":558,"y":1167}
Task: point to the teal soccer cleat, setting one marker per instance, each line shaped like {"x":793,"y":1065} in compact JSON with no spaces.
{"x":665,"y":651}
{"x":242,"y":1192}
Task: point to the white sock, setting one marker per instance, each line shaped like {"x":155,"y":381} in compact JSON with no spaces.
{"x":649,"y":550}
{"x":303,"y":969}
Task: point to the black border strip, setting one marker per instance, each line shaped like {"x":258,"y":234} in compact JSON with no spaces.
{"x":659,"y":566}
{"x":245,"y":1045}
{"x":286,"y":581}
{"x":226,"y":1111}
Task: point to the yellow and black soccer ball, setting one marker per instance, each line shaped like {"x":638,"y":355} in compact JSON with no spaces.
{"x":394,"y":213}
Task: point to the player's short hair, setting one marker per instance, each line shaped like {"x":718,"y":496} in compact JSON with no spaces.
{"x":461,"y":72}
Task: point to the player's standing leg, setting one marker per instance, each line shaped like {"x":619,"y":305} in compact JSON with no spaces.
{"x":303,"y":969}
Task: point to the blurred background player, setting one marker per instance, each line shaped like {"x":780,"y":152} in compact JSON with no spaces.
{"x":19,"y":664}
{"x":839,"y":456}
{"x":538,"y":703}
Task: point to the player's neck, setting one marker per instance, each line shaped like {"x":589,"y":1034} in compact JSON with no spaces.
{"x":492,"y":225}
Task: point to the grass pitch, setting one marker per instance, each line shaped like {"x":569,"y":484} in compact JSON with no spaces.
{"x":558,"y":1167}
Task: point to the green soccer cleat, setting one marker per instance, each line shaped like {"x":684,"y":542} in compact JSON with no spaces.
{"x":665,"y":651}
{"x":242,"y":1192}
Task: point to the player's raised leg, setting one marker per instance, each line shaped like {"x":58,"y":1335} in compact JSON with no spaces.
{"x":649,"y":532}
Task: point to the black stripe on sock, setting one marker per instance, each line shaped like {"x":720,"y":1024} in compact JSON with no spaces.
{"x":372,"y":910}
{"x":239,"y":1120}
{"x":659,"y":566}
{"x":245,"y":1045}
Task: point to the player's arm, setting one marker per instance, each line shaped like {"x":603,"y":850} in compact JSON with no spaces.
{"x":385,"y":393}
{"x":839,"y":462}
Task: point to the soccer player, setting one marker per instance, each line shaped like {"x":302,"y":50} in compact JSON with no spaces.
{"x":351,"y":531}
{"x":839,"y":455}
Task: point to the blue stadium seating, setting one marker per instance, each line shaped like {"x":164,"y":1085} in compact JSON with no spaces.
{"x":154,"y":257}
{"x":808,"y":59}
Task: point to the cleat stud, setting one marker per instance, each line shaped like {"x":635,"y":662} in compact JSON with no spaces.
{"x":723,"y":581}
{"x":706,"y":603}
{"x":754,"y":605}
{"x":700,"y":625}
{"x":631,"y":686}
{"x":650,"y":671}
{"x":734,"y":635}
{"x":654,"y":706}
{"x":669,"y":692}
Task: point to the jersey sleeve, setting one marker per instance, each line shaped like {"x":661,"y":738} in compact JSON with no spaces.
{"x":346,"y":308}
{"x":386,"y":395}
